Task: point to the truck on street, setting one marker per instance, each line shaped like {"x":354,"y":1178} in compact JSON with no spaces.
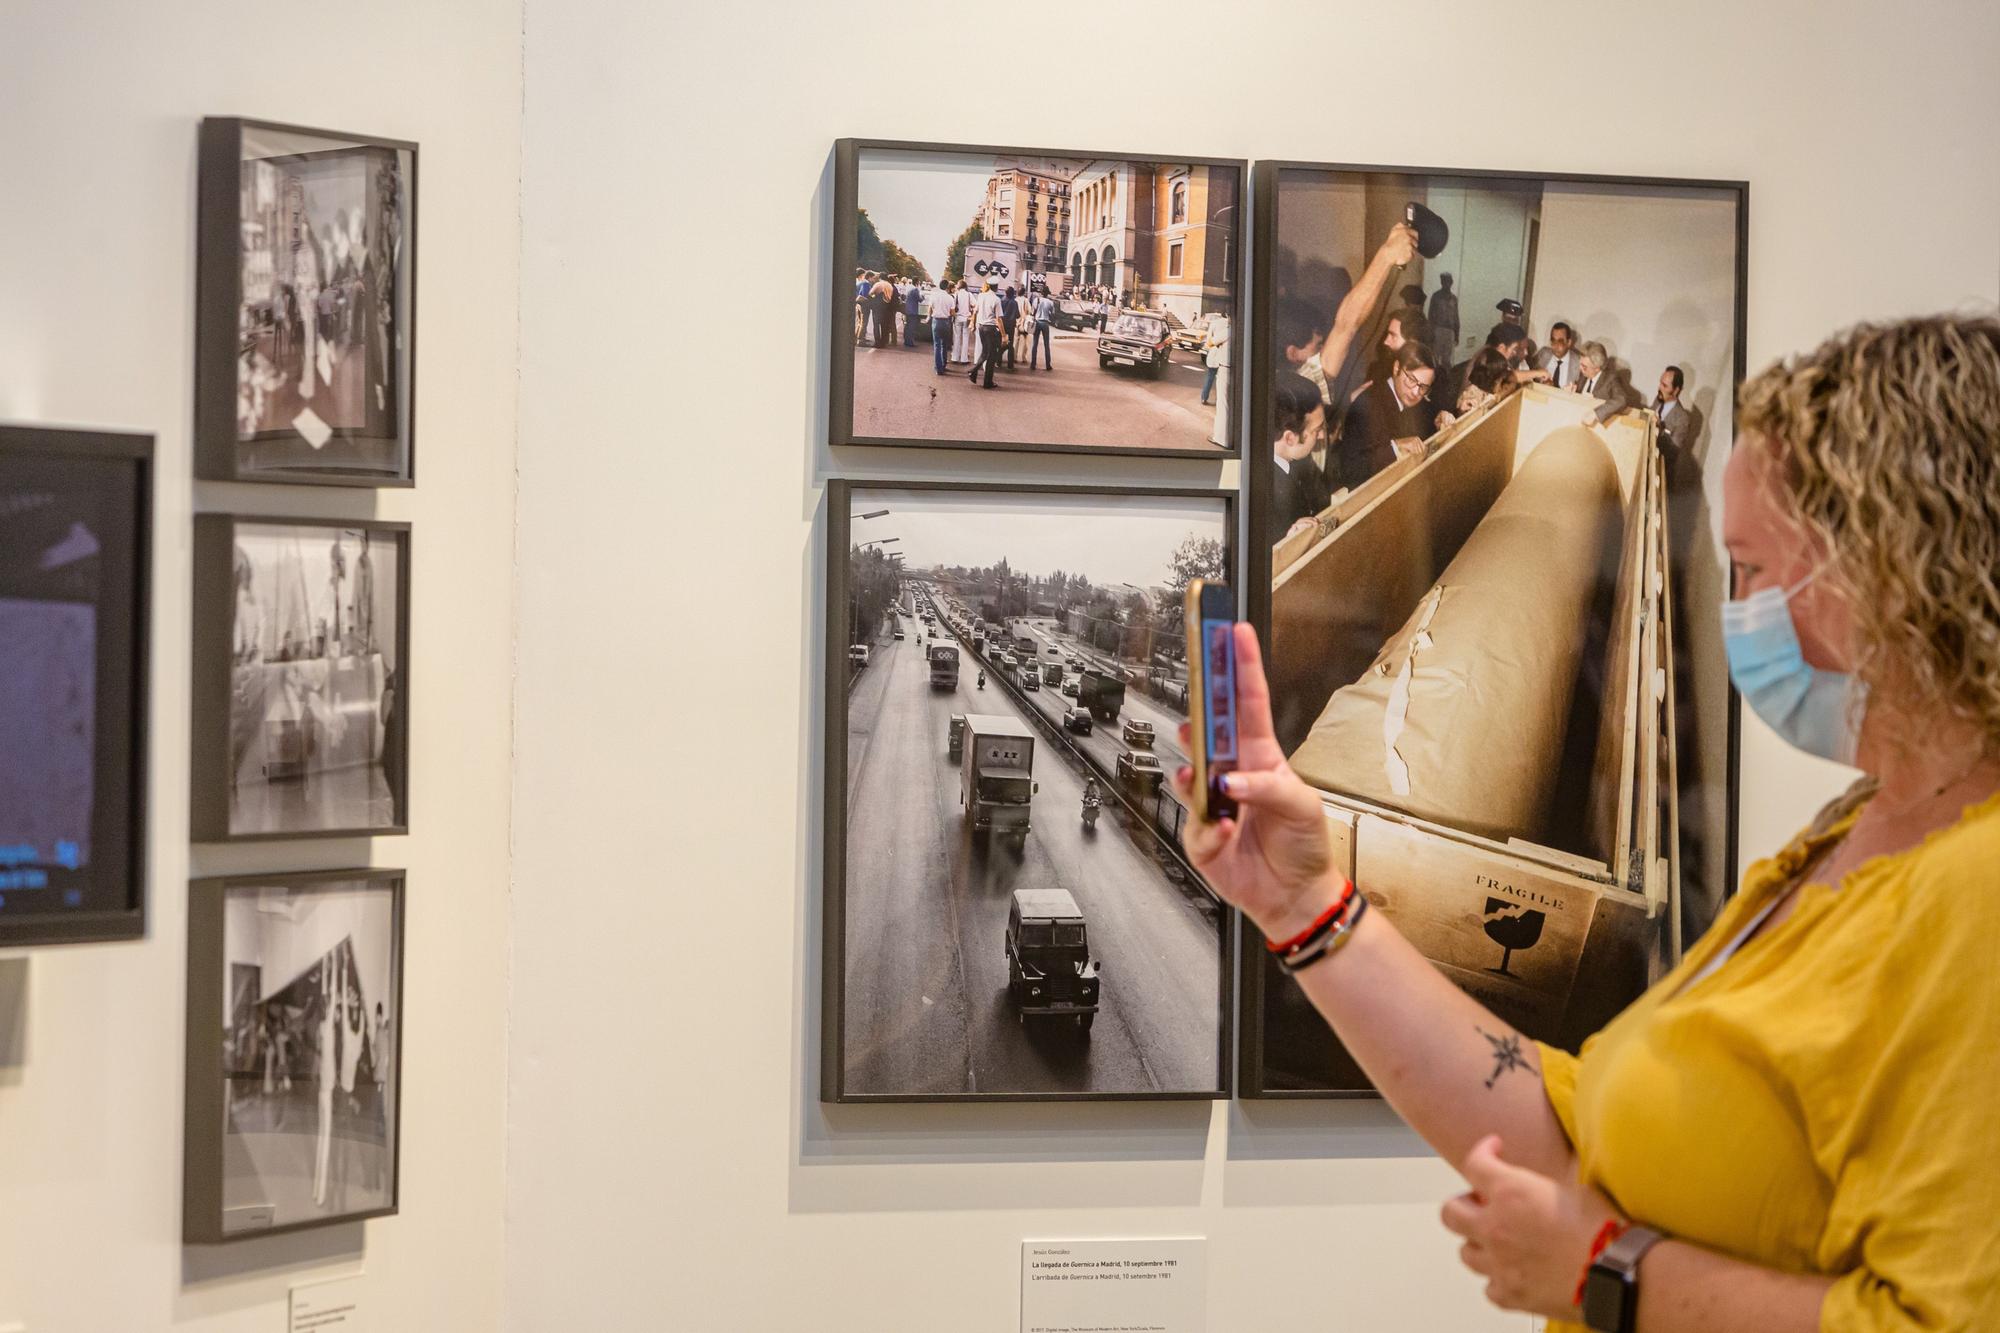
{"x":944,"y":665}
{"x":1103,"y":695}
{"x":998,"y":776}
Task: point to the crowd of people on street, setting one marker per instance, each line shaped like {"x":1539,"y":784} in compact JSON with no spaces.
{"x":988,"y":326}
{"x":1343,"y":410}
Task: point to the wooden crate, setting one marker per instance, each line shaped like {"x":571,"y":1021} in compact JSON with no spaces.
{"x":1592,"y":923}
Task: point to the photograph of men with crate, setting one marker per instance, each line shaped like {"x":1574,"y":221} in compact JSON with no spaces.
{"x":1494,"y":575}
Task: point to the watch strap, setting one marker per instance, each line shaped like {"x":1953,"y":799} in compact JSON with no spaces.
{"x":1611,"y":1297}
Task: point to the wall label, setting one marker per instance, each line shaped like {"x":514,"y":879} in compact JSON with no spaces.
{"x":1115,"y":1286}
{"x":328,"y":1307}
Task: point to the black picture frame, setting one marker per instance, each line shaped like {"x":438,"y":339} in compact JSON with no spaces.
{"x":219,"y":301}
{"x":1259,"y":976}
{"x":211,"y":756}
{"x":840,"y":329}
{"x":834,"y":806}
{"x":206,"y":1154}
{"x":113,"y":907}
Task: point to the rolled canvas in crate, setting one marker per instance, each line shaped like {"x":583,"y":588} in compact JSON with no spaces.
{"x":1461,"y":717}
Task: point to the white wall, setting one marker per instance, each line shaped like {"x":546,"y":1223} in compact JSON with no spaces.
{"x":670,"y":1166}
{"x":100,"y":104}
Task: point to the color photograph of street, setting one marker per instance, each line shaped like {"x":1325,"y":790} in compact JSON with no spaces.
{"x":1043,"y":300}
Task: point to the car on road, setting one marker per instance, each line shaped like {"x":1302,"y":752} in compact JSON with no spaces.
{"x":1075,"y":316}
{"x":899,"y":632}
{"x":1068,"y":686}
{"x":1050,"y":973}
{"x":857,"y":654}
{"x":1141,"y":771}
{"x":1193,"y":337}
{"x":1140,"y":338}
{"x":1031,"y":676}
{"x":1139,"y":734}
{"x":1077,"y":720}
{"x":954,"y":742}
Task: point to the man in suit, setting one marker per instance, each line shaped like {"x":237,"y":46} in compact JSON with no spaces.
{"x":1675,"y":420}
{"x":1559,"y":358}
{"x":1599,"y":379}
{"x":1387,"y":410}
{"x":1299,"y":490}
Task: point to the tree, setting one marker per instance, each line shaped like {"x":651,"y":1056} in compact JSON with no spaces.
{"x":954,"y":258}
{"x":872,"y":578}
{"x":1197,"y":557}
{"x":867,"y":242}
{"x":897,"y":260}
{"x":878,"y":255}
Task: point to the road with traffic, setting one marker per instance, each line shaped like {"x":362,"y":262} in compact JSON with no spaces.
{"x":926,"y":1002}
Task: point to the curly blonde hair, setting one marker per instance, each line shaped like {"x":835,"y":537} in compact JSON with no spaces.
{"x":1888,"y":437}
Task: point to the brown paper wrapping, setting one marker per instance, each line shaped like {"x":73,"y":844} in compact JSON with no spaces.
{"x":1460,"y":719}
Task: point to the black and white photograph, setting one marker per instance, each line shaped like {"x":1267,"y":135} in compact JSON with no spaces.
{"x":1017,"y":299}
{"x":74,"y":518}
{"x":322,"y":289}
{"x":294,"y":1032}
{"x":306,"y":627}
{"x":1008,"y":910}
{"x":1488,"y":567}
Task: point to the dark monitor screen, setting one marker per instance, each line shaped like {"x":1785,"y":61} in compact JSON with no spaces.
{"x":74,"y":509}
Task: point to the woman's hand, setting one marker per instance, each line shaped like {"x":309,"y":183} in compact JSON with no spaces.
{"x":1273,"y":860}
{"x":1529,"y":1236}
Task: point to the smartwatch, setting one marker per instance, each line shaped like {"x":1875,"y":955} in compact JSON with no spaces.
{"x":1611,"y":1289}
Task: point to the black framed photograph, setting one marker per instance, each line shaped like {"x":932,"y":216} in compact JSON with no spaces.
{"x":76,"y":517}
{"x":1030,"y":299}
{"x":301,"y":678}
{"x":294,"y":1048}
{"x":1490,"y":410}
{"x":306,"y":309}
{"x":1008,"y":914}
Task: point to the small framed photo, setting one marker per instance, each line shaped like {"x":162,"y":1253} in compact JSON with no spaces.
{"x":294,"y":1044}
{"x":1035,"y":299}
{"x":306,"y":310}
{"x":1490,"y":410}
{"x":1008,"y":912}
{"x":301,"y":678}
{"x":75,"y":597}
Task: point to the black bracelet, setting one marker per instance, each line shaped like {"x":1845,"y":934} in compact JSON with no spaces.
{"x":1325,"y":942}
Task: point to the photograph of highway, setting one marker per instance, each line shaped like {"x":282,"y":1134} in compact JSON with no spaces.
{"x":1017,"y":917}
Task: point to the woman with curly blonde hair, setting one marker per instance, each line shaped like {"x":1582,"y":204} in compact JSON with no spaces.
{"x":1795,"y":1129}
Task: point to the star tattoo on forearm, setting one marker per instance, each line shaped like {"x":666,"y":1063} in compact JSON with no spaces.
{"x":1506,"y":1053}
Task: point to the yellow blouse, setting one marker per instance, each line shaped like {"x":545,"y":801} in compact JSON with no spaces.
{"x":1828,"y":1101}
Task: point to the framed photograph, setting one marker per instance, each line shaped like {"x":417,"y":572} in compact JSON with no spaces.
{"x":1008,"y":914}
{"x":301,"y":678}
{"x":306,"y":309}
{"x":294,"y":1044}
{"x":1490,"y":408}
{"x":76,"y":518}
{"x":1011,"y":298}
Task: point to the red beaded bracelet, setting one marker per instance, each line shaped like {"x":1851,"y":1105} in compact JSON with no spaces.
{"x":1607,"y":1233}
{"x":1320,"y":922}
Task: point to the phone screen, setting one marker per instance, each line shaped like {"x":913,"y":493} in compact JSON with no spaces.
{"x":1211,"y":625}
{"x":1219,"y":646}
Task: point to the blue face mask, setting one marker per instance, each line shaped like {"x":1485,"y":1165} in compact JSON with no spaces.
{"x":1817,"y":711}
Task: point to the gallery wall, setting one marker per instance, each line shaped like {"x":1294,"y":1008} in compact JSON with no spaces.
{"x":669,"y":1164}
{"x":650,"y":244}
{"x":101,"y":104}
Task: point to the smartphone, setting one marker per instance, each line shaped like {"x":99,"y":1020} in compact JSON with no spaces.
{"x":1211,"y":645}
